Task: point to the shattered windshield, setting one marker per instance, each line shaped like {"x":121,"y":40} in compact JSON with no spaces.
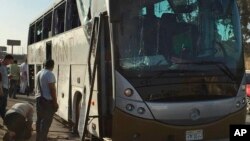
{"x":163,"y":35}
{"x":180,"y":48}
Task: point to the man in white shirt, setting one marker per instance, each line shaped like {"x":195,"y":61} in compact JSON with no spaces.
{"x":46,"y":100}
{"x":19,"y":119}
{"x":23,"y":77}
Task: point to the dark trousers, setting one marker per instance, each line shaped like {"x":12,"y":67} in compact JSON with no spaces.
{"x":44,"y":119}
{"x":13,"y":88}
{"x":3,"y":102}
{"x":17,"y":123}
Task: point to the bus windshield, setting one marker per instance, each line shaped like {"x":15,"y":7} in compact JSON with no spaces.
{"x":172,"y":43}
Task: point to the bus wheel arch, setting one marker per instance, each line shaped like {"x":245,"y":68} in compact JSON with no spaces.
{"x":76,"y":110}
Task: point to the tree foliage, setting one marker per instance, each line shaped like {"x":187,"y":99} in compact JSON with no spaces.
{"x":244,"y":6}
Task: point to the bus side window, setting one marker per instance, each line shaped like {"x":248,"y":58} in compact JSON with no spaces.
{"x":39,"y":31}
{"x":72,"y":15}
{"x":47,"y":25}
{"x":32,"y":34}
{"x":59,"y":16}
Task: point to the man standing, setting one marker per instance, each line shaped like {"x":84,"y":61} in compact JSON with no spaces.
{"x":19,"y":119}
{"x":14,"y":79}
{"x":24,"y":77}
{"x":8,"y":59}
{"x":45,"y":99}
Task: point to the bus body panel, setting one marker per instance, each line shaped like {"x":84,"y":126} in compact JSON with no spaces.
{"x":94,"y":114}
{"x":157,"y":131}
{"x":67,"y":48}
{"x":78,"y":74}
{"x":70,"y":47}
{"x":84,"y":105}
{"x":63,"y":92}
{"x":36,"y":53}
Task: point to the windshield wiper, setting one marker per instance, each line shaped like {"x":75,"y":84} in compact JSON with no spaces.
{"x":219,"y":65}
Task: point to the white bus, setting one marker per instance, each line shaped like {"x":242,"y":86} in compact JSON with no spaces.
{"x":145,"y":70}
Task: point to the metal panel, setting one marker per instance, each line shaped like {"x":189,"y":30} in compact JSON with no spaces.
{"x":70,"y":47}
{"x":63,"y":91}
{"x":36,"y":53}
{"x":67,"y":48}
{"x":78,"y":75}
{"x":84,"y":106}
{"x":93,"y":109}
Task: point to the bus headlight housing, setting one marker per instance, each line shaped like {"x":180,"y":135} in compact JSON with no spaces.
{"x":128,"y":99}
{"x":130,"y":107}
{"x":128,"y":92}
{"x":141,"y":110}
{"x":134,"y":107}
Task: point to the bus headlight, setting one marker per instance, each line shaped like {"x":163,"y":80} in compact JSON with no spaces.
{"x":133,"y":107}
{"x":128,"y":92}
{"x":243,"y":101}
{"x":238,"y":104}
{"x":130,"y":107}
{"x":141,"y":110}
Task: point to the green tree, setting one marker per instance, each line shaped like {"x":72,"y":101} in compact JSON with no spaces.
{"x":244,"y":6}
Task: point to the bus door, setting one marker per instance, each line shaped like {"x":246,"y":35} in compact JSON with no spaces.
{"x":104,"y":76}
{"x":63,"y":90}
{"x":89,"y":84}
{"x":96,"y":114}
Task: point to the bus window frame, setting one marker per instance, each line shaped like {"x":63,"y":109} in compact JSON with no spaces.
{"x":31,"y":35}
{"x":45,"y":19}
{"x":70,"y":16}
{"x":39,"y":21}
{"x":63,"y":5}
{"x":57,"y":7}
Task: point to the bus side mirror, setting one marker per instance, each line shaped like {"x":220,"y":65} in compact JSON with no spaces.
{"x":114,"y":10}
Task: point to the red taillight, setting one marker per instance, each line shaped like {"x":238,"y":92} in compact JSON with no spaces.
{"x":248,"y":90}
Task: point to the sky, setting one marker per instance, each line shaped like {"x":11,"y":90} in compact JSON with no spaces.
{"x":15,"y":17}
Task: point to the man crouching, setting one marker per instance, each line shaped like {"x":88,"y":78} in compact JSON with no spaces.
{"x":19,"y":119}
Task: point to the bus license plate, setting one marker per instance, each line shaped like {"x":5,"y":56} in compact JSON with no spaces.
{"x":194,"y":135}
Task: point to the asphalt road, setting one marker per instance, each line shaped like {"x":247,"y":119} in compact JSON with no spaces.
{"x":57,"y":132}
